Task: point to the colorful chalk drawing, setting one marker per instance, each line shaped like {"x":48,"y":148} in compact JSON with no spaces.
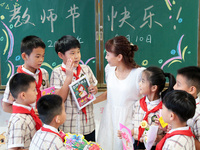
{"x":169,"y":5}
{"x":10,"y":51}
{"x":179,"y":58}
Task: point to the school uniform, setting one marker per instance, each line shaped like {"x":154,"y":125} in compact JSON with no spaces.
{"x":47,"y":138}
{"x":21,"y":128}
{"x":76,"y":119}
{"x":178,"y":141}
{"x":44,"y":84}
{"x":194,"y":122}
{"x":139,"y":115}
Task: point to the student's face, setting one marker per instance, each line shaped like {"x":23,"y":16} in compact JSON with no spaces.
{"x":63,"y":114}
{"x":181,"y":84}
{"x":144,"y":85}
{"x":30,"y":94}
{"x":35,"y":59}
{"x":111,"y":58}
{"x":165,"y":113}
{"x":74,"y":54}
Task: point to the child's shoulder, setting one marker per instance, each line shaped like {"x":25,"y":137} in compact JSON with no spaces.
{"x":19,"y":119}
{"x":44,"y":71}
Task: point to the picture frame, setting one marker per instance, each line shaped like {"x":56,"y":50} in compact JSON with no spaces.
{"x":80,"y":92}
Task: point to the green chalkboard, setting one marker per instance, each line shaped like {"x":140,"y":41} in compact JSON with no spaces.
{"x":166,"y":31}
{"x":49,"y":20}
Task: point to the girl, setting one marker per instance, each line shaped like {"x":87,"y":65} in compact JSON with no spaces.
{"x":147,"y":108}
{"x":122,"y":78}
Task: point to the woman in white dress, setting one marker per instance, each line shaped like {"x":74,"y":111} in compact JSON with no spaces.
{"x":122,"y":78}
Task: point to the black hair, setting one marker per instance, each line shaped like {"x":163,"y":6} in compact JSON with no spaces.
{"x":48,"y":107}
{"x":192,"y":73}
{"x":156,"y":76}
{"x":66,"y":43}
{"x":121,"y":45}
{"x":181,"y":103}
{"x":29,"y":43}
{"x":20,"y":82}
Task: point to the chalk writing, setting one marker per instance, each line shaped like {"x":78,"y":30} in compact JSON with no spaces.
{"x":150,"y":16}
{"x":52,"y":17}
{"x":74,"y":15}
{"x":15,"y":16}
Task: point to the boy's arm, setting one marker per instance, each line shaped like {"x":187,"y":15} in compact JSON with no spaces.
{"x":197,"y":144}
{"x":64,"y":90}
{"x":17,"y":148}
{"x":7,"y":107}
{"x":101,"y":98}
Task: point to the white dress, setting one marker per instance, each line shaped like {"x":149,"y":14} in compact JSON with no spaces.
{"x":121,"y":96}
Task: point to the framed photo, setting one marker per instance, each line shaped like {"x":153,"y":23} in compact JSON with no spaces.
{"x":79,"y":90}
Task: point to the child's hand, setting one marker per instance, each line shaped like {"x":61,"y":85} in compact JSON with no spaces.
{"x":119,"y":133}
{"x":93,"y":89}
{"x":165,"y":129}
{"x":69,"y":68}
{"x":36,"y":112}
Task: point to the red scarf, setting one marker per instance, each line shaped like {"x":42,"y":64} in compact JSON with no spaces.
{"x":49,"y":130}
{"x":38,"y":85}
{"x":77,"y":77}
{"x":144,"y":107}
{"x":178,"y":132}
{"x":22,"y":110}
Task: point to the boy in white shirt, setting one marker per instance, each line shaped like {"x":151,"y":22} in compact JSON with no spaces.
{"x":178,"y":107}
{"x":51,"y":110}
{"x":32,"y":52}
{"x":23,"y":122}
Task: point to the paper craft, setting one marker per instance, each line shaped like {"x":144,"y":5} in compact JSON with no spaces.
{"x":127,"y":139}
{"x":79,"y":90}
{"x":150,"y":137}
{"x":78,"y":142}
{"x":163,"y":124}
{"x":48,"y":91}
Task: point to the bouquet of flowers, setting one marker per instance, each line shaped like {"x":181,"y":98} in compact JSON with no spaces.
{"x":77,"y":142}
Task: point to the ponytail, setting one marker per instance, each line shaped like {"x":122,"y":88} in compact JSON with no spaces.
{"x":172,"y":82}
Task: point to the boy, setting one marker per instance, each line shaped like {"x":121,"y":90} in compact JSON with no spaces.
{"x":188,"y":79}
{"x":32,"y":52}
{"x":23,"y":122}
{"x":79,"y":122}
{"x":51,"y":110}
{"x":178,"y":106}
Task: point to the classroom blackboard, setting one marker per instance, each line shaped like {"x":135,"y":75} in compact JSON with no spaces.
{"x":166,"y":31}
{"x":49,"y":20}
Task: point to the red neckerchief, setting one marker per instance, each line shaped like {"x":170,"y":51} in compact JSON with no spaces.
{"x":38,"y":85}
{"x":77,"y":77}
{"x":49,"y":130}
{"x":22,"y":110}
{"x":143,"y":105}
{"x":178,"y":132}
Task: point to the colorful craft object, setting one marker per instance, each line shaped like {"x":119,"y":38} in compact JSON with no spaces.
{"x":77,"y":142}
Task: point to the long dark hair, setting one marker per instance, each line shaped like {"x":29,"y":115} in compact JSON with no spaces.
{"x":121,"y":45}
{"x":156,"y":76}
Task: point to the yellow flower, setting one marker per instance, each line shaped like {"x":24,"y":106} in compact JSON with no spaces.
{"x":145,"y":139}
{"x":143,"y":124}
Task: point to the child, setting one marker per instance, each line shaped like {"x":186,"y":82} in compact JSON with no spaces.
{"x":79,"y":122}
{"x":122,"y":78}
{"x":23,"y":122}
{"x":32,"y":52}
{"x":151,"y":85}
{"x":177,"y":108}
{"x":188,"y":79}
{"x":51,"y":110}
